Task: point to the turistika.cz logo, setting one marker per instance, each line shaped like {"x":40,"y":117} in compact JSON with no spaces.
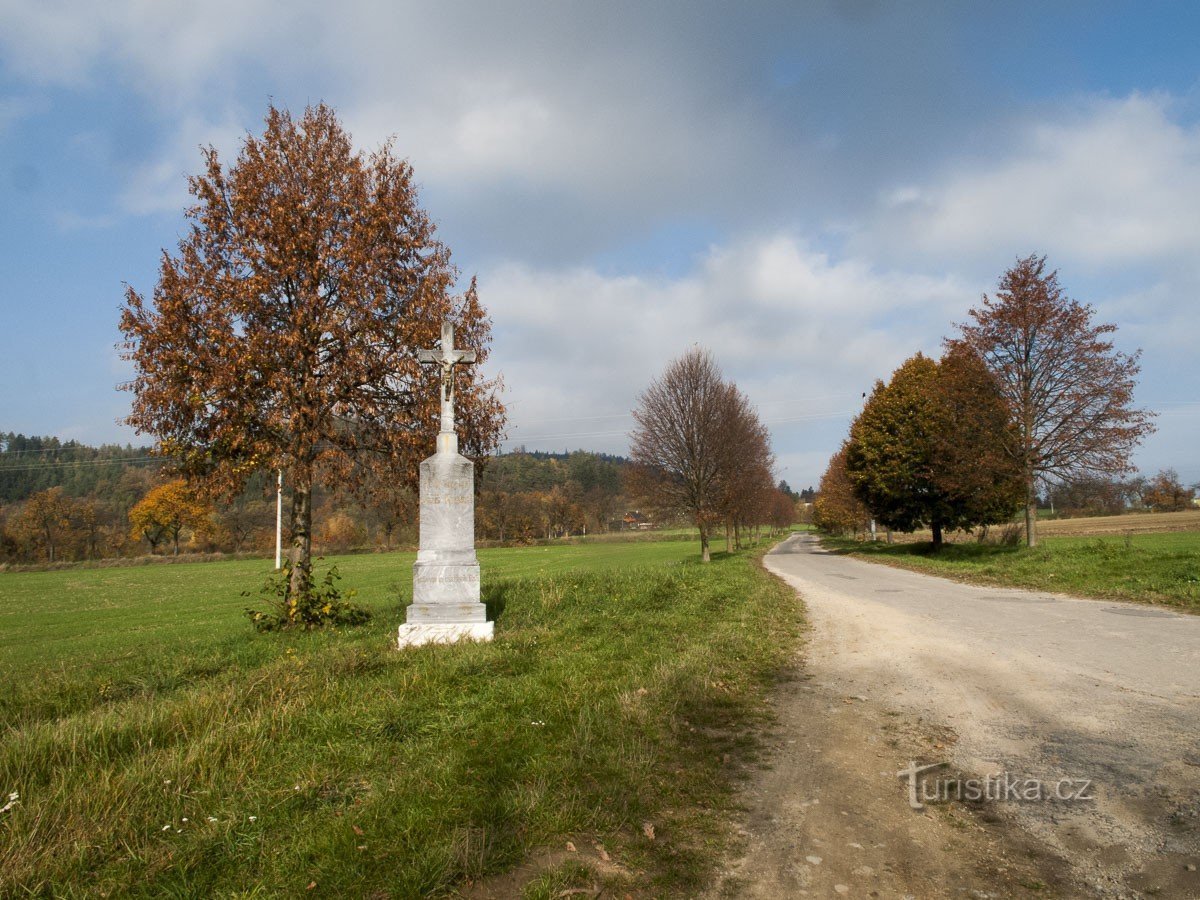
{"x":1003,"y":787}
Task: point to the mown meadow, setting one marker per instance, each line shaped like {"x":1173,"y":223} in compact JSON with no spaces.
{"x":1149,"y":568}
{"x":159,"y":745}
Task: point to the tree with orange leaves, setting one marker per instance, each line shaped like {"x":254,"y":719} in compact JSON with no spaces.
{"x":166,"y":511}
{"x":283,"y":334}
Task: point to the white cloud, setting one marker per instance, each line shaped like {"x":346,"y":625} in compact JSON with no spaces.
{"x":803,"y":334}
{"x":634,"y":127}
{"x":554,"y":134}
{"x":1110,"y":183}
{"x":160,"y":184}
{"x":165,"y":48}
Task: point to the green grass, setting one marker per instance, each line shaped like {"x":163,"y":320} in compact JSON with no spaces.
{"x":1149,"y":568}
{"x":161,"y":747}
{"x":70,"y":615}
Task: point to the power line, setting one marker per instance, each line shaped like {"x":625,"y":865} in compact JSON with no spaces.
{"x":78,"y":464}
{"x":79,"y":448}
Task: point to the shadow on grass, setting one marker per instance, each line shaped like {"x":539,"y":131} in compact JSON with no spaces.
{"x":494,"y":595}
{"x":972,"y":552}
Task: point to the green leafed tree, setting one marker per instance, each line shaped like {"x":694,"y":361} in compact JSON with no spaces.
{"x":928,"y":448}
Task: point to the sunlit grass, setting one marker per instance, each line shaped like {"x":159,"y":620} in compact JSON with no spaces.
{"x":1156,"y":568}
{"x":160,"y":746}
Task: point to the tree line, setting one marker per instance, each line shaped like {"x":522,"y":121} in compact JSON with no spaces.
{"x":1029,"y":397}
{"x":139,"y":509}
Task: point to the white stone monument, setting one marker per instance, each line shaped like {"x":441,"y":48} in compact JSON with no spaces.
{"x":446,"y":606}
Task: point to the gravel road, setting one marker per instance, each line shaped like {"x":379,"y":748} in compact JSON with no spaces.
{"x":1035,"y":685}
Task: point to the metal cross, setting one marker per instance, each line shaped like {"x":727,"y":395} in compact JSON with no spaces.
{"x":447,"y":357}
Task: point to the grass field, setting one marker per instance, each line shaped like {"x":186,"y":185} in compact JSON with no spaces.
{"x":1155,"y":568}
{"x":1130,"y":523}
{"x":73,"y":615}
{"x":161,"y":747}
{"x":1100,"y":526}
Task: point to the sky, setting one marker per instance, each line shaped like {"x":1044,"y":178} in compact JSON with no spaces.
{"x":813,"y":191}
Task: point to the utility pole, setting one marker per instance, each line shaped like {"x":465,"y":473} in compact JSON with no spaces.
{"x":279,"y":521}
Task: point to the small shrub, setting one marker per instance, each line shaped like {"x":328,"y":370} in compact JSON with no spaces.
{"x":317,"y":606}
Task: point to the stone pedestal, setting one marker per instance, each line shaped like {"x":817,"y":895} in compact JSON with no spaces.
{"x":446,"y":606}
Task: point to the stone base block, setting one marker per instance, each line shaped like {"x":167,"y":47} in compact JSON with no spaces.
{"x":437,"y":584}
{"x":414,"y":635}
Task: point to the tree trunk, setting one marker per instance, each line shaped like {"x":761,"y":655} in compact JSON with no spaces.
{"x":704,"y":554}
{"x":936,"y":525}
{"x":728,"y":537}
{"x":1030,"y":512}
{"x":301,"y":555}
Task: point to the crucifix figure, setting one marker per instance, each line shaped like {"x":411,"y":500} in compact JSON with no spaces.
{"x":447,"y":357}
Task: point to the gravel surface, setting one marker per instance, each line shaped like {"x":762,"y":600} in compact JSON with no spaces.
{"x":904,"y":667}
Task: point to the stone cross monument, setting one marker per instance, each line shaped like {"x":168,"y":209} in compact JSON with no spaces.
{"x":446,"y":605}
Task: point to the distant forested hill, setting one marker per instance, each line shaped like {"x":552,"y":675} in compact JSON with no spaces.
{"x":523,"y":470}
{"x":66,"y":500}
{"x":32,"y":464}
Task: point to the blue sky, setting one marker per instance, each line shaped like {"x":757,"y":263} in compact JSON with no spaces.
{"x":813,"y":191}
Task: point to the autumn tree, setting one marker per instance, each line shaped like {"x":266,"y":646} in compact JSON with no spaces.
{"x":836,"y":508}
{"x":165,"y":512}
{"x":45,"y":521}
{"x":341,"y":532}
{"x":677,"y":440}
{"x":283,"y":333}
{"x":927,"y":449}
{"x":971,"y":430}
{"x":746,"y":467}
{"x":391,"y":505}
{"x":242,"y":519}
{"x":87,"y":520}
{"x":1166,"y":493}
{"x":1095,"y":495}
{"x":1069,"y":392}
{"x":782,"y":511}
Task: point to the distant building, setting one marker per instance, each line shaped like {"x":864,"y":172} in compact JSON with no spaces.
{"x":635,"y":521}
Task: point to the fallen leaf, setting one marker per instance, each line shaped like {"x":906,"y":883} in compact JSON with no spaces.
{"x":603,"y":853}
{"x":357,"y":830}
{"x":570,"y":847}
{"x":648,"y":830}
{"x":311,"y":885}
